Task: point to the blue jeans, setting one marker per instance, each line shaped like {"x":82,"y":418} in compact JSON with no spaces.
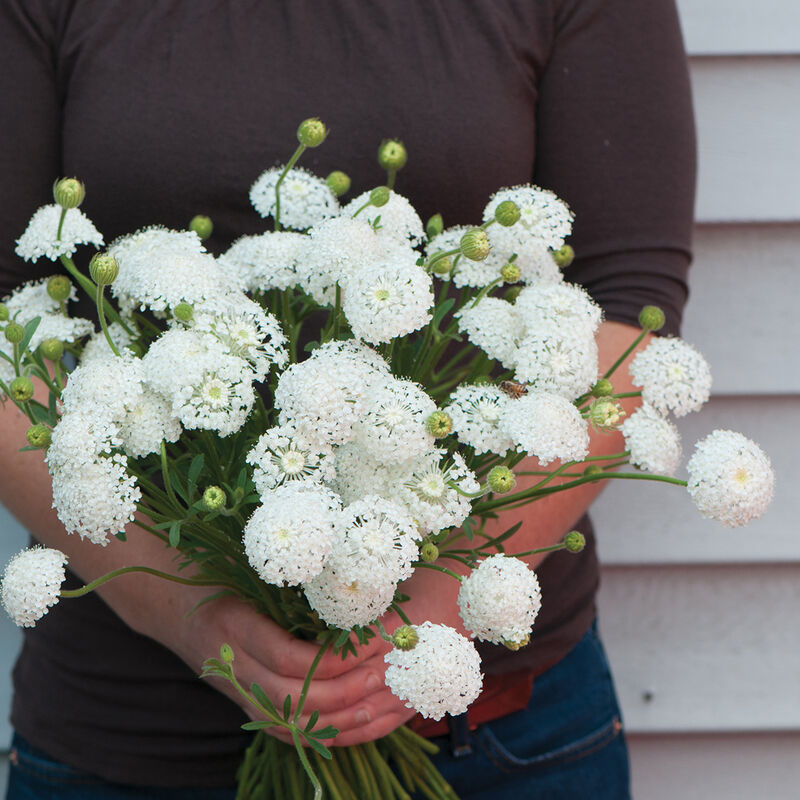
{"x":566,"y":745}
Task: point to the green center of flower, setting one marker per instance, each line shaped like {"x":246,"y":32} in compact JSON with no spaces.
{"x":431,"y":486}
{"x":215,"y":393}
{"x":293,"y":462}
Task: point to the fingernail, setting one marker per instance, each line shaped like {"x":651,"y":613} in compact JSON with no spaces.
{"x":362,"y":716}
{"x":372,"y":682}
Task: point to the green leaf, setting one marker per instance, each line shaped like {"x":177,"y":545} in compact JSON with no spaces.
{"x":195,"y":468}
{"x":468,"y":526}
{"x":262,"y":698}
{"x":175,"y":533}
{"x":310,"y":346}
{"x":441,"y":310}
{"x":312,"y":720}
{"x":257,"y":725}
{"x":287,"y":707}
{"x":175,"y":480}
{"x":320,"y":748}
{"x":341,"y":639}
{"x":328,"y":732}
{"x":30,"y":329}
{"x":121,"y":536}
{"x":40,"y":413}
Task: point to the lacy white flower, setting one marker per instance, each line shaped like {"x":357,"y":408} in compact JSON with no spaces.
{"x":476,"y":412}
{"x":557,"y":359}
{"x":398,"y":218}
{"x":81,"y":436}
{"x":565,"y":305}
{"x":673,"y":376}
{"x":40,"y":237}
{"x":97,"y":344}
{"x":32,"y":584}
{"x":267,"y":261}
{"x":110,"y":386}
{"x":653,"y":441}
{"x":495,"y":327}
{"x":533,"y":257}
{"x":149,"y":421}
{"x":542,"y":216}
{"x":358,"y":474}
{"x":306,"y":200}
{"x":283,"y":455}
{"x":548,"y":426}
{"x":441,"y":675}
{"x":384,"y":302}
{"x":289,"y":536}
{"x":499,"y":601}
{"x":730,"y":478}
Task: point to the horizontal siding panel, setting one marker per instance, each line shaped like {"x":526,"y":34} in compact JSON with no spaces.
{"x":733,"y":766}
{"x":742,"y":310}
{"x":640,"y":522}
{"x":740,"y":27}
{"x":703,"y":649}
{"x":748,"y":133}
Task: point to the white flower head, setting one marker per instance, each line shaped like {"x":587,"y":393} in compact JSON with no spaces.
{"x":32,"y":584}
{"x":267,"y":261}
{"x":358,"y":474}
{"x":653,"y":441}
{"x":499,"y":601}
{"x":564,"y":305}
{"x":673,"y":376}
{"x":476,"y":412}
{"x":289,"y":536}
{"x":306,"y":200}
{"x":440,"y":675}
{"x":493,"y":325}
{"x":398,"y":219}
{"x":548,"y":426}
{"x":730,"y":478}
{"x":148,"y":422}
{"x":110,"y":385}
{"x":40,"y":237}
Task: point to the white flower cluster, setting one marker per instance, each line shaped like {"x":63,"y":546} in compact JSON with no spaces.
{"x":41,"y":238}
{"x":31,"y":584}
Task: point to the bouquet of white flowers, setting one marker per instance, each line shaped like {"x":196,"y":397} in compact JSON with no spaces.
{"x":310,"y":474}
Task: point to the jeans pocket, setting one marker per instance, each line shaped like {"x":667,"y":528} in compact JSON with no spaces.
{"x":32,"y":763}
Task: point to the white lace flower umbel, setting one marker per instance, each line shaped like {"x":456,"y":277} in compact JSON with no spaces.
{"x":31,"y":584}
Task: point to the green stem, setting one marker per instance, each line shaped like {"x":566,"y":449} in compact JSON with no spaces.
{"x":165,"y":474}
{"x":382,"y":631}
{"x":439,"y":568}
{"x":306,"y":765}
{"x":102,"y":315}
{"x":90,"y":587}
{"x":630,"y":349}
{"x":61,"y":223}
{"x":307,"y":683}
{"x":440,"y":255}
{"x":559,"y":546}
{"x":292,"y":162}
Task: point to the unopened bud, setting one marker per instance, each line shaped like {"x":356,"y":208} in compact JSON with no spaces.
{"x":564,"y":256}
{"x":338,"y":182}
{"x":439,"y":424}
{"x":4,"y":314}
{"x":512,"y":645}
{"x":38,"y":436}
{"x":312,"y":132}
{"x":14,"y":332}
{"x":392,"y":155}
{"x":501,"y":479}
{"x":574,"y":542}
{"x":59,"y":288}
{"x":21,"y":389}
{"x":605,"y":413}
{"x":201,"y":225}
{"x":513,"y":293}
{"x":429,"y":552}
{"x":507,"y":213}
{"x":652,"y":318}
{"x":434,"y":226}
{"x":214,"y":498}
{"x":52,"y":349}
{"x":510,"y":273}
{"x":68,"y":192}
{"x":475,"y":244}
{"x":183,"y":312}
{"x":379,"y":196}
{"x":405,"y":638}
{"x":603,"y":388}
{"x":442,"y":266}
{"x":103,"y":268}
{"x":226,"y":653}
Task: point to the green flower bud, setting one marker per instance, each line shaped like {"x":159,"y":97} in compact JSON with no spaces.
{"x":429,"y":552}
{"x":435,"y":226}
{"x":14,"y":332}
{"x":103,"y":268}
{"x":439,"y":424}
{"x":512,"y":293}
{"x":4,"y":315}
{"x":501,"y":479}
{"x":564,"y":256}
{"x":510,"y":273}
{"x":379,"y":196}
{"x":201,"y":225}
{"x":38,"y":436}
{"x":312,"y":132}
{"x":59,"y":288}
{"x":52,"y":349}
{"x":392,"y":155}
{"x":603,"y":388}
{"x":405,"y":638}
{"x":442,"y":266}
{"x":21,"y":389}
{"x":475,"y":244}
{"x":507,"y":213}
{"x":338,"y":182}
{"x":652,"y":318}
{"x":574,"y":542}
{"x":517,"y":645}
{"x":183,"y":312}
{"x":68,"y":192}
{"x":592,"y":469}
{"x":604,"y":412}
{"x":226,"y":653}
{"x":214,"y":498}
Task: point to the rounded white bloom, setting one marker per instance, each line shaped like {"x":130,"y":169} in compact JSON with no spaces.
{"x":283,"y":455}
{"x":499,"y":601}
{"x":32,"y":584}
{"x":564,"y":305}
{"x":358,"y":474}
{"x":40,"y":237}
{"x":653,"y":441}
{"x":673,"y":376}
{"x":148,"y":421}
{"x":398,"y":219}
{"x":533,"y":257}
{"x":96,"y":346}
{"x":558,"y":359}
{"x":476,"y":412}
{"x":543,"y":216}
{"x":548,"y":426}
{"x":289,"y":536}
{"x":112,"y":385}
{"x":730,"y":478}
{"x":306,"y":200}
{"x":267,"y":261}
{"x":81,"y":436}
{"x":441,"y":675}
{"x":494,"y":326}
{"x":382,"y":303}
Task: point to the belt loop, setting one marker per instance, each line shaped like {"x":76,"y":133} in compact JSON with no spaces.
{"x":460,"y":745}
